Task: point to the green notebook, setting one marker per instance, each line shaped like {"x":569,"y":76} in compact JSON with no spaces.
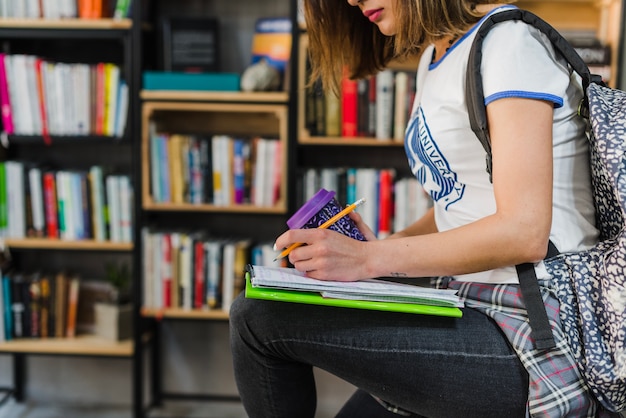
{"x":314,"y":298}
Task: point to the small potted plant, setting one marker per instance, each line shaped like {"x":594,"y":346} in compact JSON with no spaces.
{"x":114,"y":317}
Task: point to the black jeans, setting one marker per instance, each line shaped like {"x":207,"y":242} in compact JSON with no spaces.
{"x":432,"y":366}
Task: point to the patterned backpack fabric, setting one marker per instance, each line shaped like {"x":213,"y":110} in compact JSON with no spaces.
{"x":591,"y":284}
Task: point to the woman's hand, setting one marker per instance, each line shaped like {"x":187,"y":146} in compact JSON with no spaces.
{"x":327,"y":254}
{"x":365,"y":230}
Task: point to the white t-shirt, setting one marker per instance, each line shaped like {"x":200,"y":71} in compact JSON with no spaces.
{"x":448,"y":159}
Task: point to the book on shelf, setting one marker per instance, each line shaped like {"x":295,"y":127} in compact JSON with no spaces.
{"x":199,"y":272}
{"x":363,"y":99}
{"x":333,"y":113}
{"x":3,"y":330}
{"x":349,"y":107}
{"x":55,"y":98}
{"x":401,"y":105}
{"x":403,"y":197}
{"x":64,"y":9}
{"x":271,"y":42}
{"x":176,"y":80}
{"x":384,"y":104}
{"x":3,"y":202}
{"x":40,"y":305}
{"x":7,"y":307}
{"x":290,"y":285}
{"x":5,"y":103}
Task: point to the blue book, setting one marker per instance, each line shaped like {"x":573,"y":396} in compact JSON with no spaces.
{"x":171,"y":80}
{"x":8,"y":315}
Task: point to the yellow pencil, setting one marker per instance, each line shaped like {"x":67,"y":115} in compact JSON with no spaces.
{"x":325,"y":225}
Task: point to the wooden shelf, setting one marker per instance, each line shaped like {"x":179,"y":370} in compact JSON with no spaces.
{"x":257,"y":119}
{"x":349,"y":141}
{"x":215,"y":96}
{"x":177,"y":313}
{"x":58,"y":244}
{"x":188,"y":207}
{"x":101,"y":24}
{"x":89,"y":345}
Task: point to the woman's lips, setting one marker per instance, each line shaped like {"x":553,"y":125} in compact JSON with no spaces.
{"x":373,"y":15}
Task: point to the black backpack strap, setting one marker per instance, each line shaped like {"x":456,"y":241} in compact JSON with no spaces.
{"x":474,"y":94}
{"x":531,"y":294}
{"x":529,"y":287}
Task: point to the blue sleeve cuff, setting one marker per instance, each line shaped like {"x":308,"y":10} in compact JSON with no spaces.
{"x":556,"y":100}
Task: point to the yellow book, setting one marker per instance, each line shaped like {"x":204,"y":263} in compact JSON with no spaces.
{"x":177,"y":178}
{"x":111,"y":87}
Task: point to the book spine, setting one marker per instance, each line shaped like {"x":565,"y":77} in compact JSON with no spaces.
{"x":385,"y":203}
{"x":8,"y":312}
{"x":37,"y":202}
{"x":39,"y":64}
{"x":166,"y":269}
{"x":121,"y":9}
{"x":72,"y":307}
{"x":238,"y":170}
{"x":363,"y":107}
{"x":4,"y":216}
{"x":199,"y":279}
{"x":400,"y":114}
{"x":349,"y":107}
{"x":5,"y":102}
{"x":333,"y":114}
{"x":50,"y":205}
{"x":384,"y":104}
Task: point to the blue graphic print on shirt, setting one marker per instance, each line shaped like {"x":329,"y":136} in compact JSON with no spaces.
{"x":434,"y":172}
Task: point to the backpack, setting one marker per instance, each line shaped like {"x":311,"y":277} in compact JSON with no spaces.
{"x":591,"y":284}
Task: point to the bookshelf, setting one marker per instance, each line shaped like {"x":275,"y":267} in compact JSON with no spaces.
{"x":199,"y":117}
{"x":304,"y":149}
{"x":73,"y":42}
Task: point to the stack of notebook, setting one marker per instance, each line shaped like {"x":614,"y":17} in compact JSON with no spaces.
{"x":290,"y":285}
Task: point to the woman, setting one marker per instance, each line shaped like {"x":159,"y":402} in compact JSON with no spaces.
{"x":483,"y":364}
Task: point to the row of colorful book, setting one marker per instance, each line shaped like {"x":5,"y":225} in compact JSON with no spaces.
{"x":377,"y":107}
{"x":58,"y":9}
{"x":391,"y":203}
{"x":38,"y":305}
{"x":194,"y":271}
{"x":39,"y":202}
{"x":40,"y":97}
{"x":220,"y":170}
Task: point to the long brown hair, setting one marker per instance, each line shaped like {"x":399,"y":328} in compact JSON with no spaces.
{"x":341,"y":37}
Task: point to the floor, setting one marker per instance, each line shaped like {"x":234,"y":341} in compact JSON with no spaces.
{"x":172,"y":410}
{"x":178,"y":410}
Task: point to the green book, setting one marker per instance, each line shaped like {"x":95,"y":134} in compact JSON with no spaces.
{"x":3,"y":201}
{"x":315,"y":298}
{"x":121,"y":9}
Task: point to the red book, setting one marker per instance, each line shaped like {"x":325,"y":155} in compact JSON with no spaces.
{"x":199,"y":260}
{"x":385,"y":202}
{"x":349,"y":107}
{"x":85,"y":9}
{"x":5,"y":103}
{"x":278,"y":172}
{"x":100,"y":98}
{"x":50,"y":205}
{"x":42,"y":99}
{"x":166,"y":265}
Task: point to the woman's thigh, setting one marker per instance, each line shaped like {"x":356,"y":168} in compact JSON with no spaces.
{"x":433,"y":366}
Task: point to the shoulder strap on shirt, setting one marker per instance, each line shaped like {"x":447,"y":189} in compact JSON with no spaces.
{"x":529,"y":287}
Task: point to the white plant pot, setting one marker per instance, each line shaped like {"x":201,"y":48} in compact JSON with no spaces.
{"x":114,"y":322}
